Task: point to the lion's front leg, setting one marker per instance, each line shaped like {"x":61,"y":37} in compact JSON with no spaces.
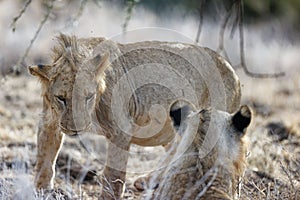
{"x":114,"y":174}
{"x":152,"y":180}
{"x":48,"y":146}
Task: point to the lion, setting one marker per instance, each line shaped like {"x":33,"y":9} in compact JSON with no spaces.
{"x":123,"y":91}
{"x":194,"y":172}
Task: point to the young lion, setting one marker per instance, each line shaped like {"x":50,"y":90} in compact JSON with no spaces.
{"x":126,"y":90}
{"x":194,"y":172}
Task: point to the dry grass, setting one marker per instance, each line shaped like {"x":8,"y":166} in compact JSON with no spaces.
{"x":273,"y":170}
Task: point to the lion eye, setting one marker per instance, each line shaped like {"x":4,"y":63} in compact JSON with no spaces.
{"x":61,"y":99}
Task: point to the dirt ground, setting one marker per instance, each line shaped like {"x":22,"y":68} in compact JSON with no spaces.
{"x":273,"y":159}
{"x":273,"y":163}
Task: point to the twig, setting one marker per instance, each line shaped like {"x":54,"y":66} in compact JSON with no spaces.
{"x":287,"y":174}
{"x":258,"y":189}
{"x":42,"y":23}
{"x":81,"y":8}
{"x":221,"y":48}
{"x":130,"y":6}
{"x":238,"y":22}
{"x":214,"y":172}
{"x":240,"y":184}
{"x":200,"y":10}
{"x":268,"y":192}
{"x":242,"y":50}
{"x":75,"y":19}
{"x":14,"y":22}
{"x":108,"y":189}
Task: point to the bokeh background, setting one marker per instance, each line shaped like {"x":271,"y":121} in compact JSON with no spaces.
{"x":271,"y":46}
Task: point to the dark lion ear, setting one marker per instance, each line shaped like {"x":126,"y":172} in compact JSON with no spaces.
{"x":242,"y":118}
{"x":179,"y":111}
{"x":101,"y":62}
{"x":41,"y":71}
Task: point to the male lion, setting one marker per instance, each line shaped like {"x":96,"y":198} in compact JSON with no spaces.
{"x":192,"y":174}
{"x":126,"y":89}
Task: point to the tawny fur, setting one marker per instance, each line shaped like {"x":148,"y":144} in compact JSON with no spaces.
{"x":82,"y":68}
{"x":215,"y":176}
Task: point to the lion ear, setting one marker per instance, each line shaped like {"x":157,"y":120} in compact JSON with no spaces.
{"x":179,"y":111}
{"x":242,"y":118}
{"x":41,"y":71}
{"x":102,"y":63}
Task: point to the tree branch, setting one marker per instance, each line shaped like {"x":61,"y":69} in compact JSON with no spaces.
{"x":16,"y":68}
{"x":15,"y":19}
{"x":242,"y":48}
{"x":81,"y":8}
{"x":221,"y":47}
{"x":200,"y":10}
{"x":130,"y":6}
{"x":239,"y":22}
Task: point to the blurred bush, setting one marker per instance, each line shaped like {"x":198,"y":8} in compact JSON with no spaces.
{"x":255,"y":11}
